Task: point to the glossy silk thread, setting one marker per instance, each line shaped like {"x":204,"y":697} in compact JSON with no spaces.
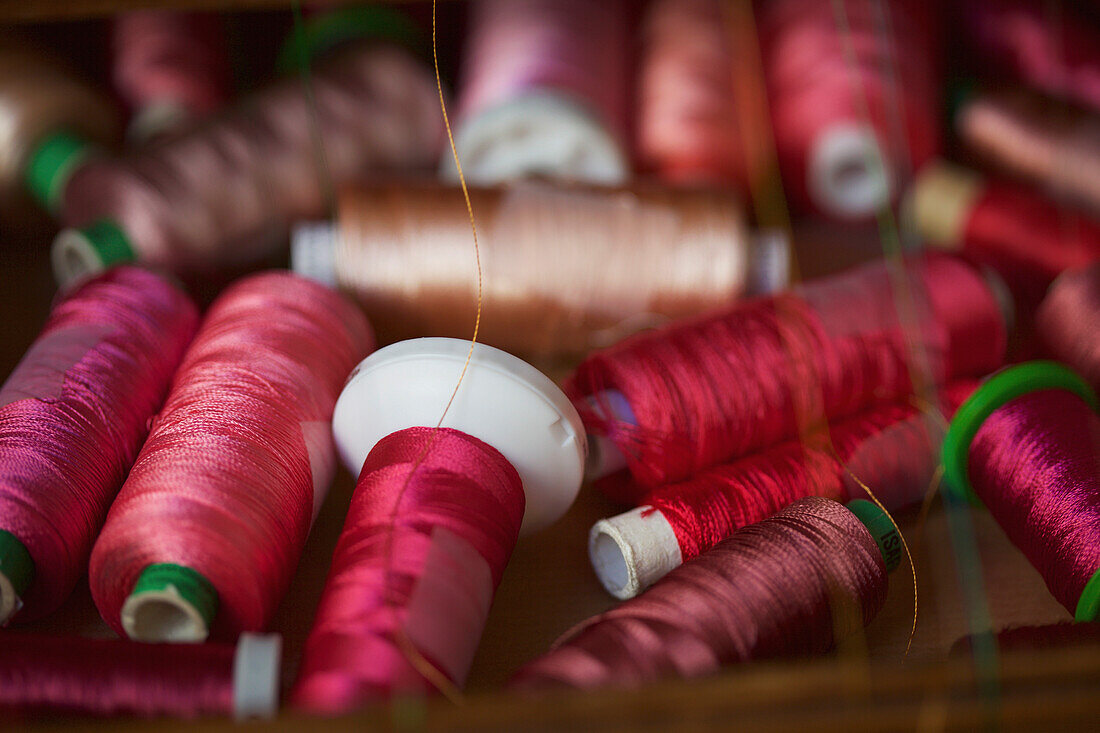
{"x":791,"y":585}
{"x":74,"y":413}
{"x":432,"y":523}
{"x":238,"y":460}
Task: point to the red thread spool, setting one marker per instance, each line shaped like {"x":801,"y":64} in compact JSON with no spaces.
{"x":687,"y":122}
{"x":73,"y":416}
{"x":1068,"y":321}
{"x":1027,"y":238}
{"x":854,"y":96}
{"x":792,"y":585}
{"x":1027,"y":444}
{"x":705,"y":391}
{"x":892,"y":448}
{"x":435,"y":514}
{"x":108,"y":678}
{"x":214,"y":513}
{"x":171,"y":68}
{"x":224,"y":193}
{"x":1057,"y":52}
{"x":542,"y":92}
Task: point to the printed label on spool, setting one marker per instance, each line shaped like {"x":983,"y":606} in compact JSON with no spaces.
{"x":40,"y":374}
{"x":317,"y":436}
{"x":448,"y":608}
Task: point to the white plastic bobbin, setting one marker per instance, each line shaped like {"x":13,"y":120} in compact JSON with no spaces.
{"x":848,"y":175}
{"x":538,"y":134}
{"x":502,"y":401}
{"x":256,"y":668}
{"x":632,"y":551}
{"x":313,"y":251}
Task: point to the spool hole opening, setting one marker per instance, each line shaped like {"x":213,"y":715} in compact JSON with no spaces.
{"x":160,"y":619}
{"x":610,"y":562}
{"x":850,"y":173}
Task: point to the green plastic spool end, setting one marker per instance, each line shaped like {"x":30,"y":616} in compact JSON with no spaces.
{"x":881,"y":528}
{"x":52,"y":162}
{"x":81,"y":253}
{"x":322,"y":33}
{"x":169,"y":603}
{"x":16,"y":574}
{"x":1088,"y":605}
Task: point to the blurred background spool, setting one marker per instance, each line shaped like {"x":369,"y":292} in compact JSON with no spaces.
{"x":170,"y":68}
{"x":854,"y":93}
{"x":565,"y":269}
{"x":207,"y":530}
{"x":543,"y":92}
{"x":1069,"y":321}
{"x":224,"y":194}
{"x":73,"y":415}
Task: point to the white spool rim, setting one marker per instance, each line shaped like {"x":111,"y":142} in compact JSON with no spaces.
{"x":848,"y":174}
{"x":74,"y":258}
{"x":313,"y":251}
{"x":162,"y":616}
{"x":256,"y":669}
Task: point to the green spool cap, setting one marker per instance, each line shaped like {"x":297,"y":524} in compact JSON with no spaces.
{"x":960,"y":94}
{"x":881,"y":528}
{"x":78,"y":253}
{"x":51,"y":164}
{"x":323,"y":33}
{"x":1000,"y":389}
{"x":16,"y":574}
{"x":170,"y":603}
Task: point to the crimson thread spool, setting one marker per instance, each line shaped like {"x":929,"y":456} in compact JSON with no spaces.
{"x":565,"y":268}
{"x":1054,"y":146}
{"x":854,"y":93}
{"x":1027,"y":444}
{"x":224,"y":193}
{"x":1026,"y":237}
{"x":169,"y":67}
{"x":73,"y":415}
{"x":542,"y":92}
{"x":670,"y":403}
{"x":1068,"y":321}
{"x":791,"y":585}
{"x":213,"y":516}
{"x":46,"y":110}
{"x":892,"y":448}
{"x":108,"y":677}
{"x":435,"y":515}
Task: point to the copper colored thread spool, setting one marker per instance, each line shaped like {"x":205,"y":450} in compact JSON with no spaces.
{"x":1056,"y":146}
{"x":565,"y":269}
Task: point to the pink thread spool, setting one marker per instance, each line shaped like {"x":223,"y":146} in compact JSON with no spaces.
{"x":108,"y":678}
{"x":791,"y":585}
{"x":435,"y":515}
{"x":73,"y":416}
{"x":1068,"y":321}
{"x":224,"y":194}
{"x":171,"y":68}
{"x":542,"y":92}
{"x":1027,"y":445}
{"x":213,"y":516}
{"x":854,"y":96}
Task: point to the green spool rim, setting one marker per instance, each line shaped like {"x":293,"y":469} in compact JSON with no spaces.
{"x":1088,"y":605}
{"x":882,"y":530}
{"x":960,"y":94}
{"x":81,"y":253}
{"x":322,"y":33}
{"x":17,"y":565}
{"x":50,"y":165}
{"x":1001,"y":388}
{"x":168,"y":581}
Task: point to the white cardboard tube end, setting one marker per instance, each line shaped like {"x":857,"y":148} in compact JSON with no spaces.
{"x":256,"y":668}
{"x":632,"y":551}
{"x":313,"y":251}
{"x":848,"y":174}
{"x":162,"y":616}
{"x":74,"y":258}
{"x":939,"y":203}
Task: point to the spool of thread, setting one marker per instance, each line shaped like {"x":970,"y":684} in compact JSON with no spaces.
{"x":542,"y":92}
{"x":671,"y":403}
{"x":73,"y":416}
{"x":213,"y":516}
{"x":1027,"y":238}
{"x":1052,"y":48}
{"x":854,"y":97}
{"x":1068,"y":321}
{"x":1056,"y":147}
{"x":107,"y":677}
{"x":791,"y":585}
{"x":565,"y":270}
{"x":435,"y":514}
{"x":224,"y":193}
{"x":1027,"y":444}
{"x":45,"y":111}
{"x":170,"y":68}
{"x":892,"y":448}
{"x":687,"y":122}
